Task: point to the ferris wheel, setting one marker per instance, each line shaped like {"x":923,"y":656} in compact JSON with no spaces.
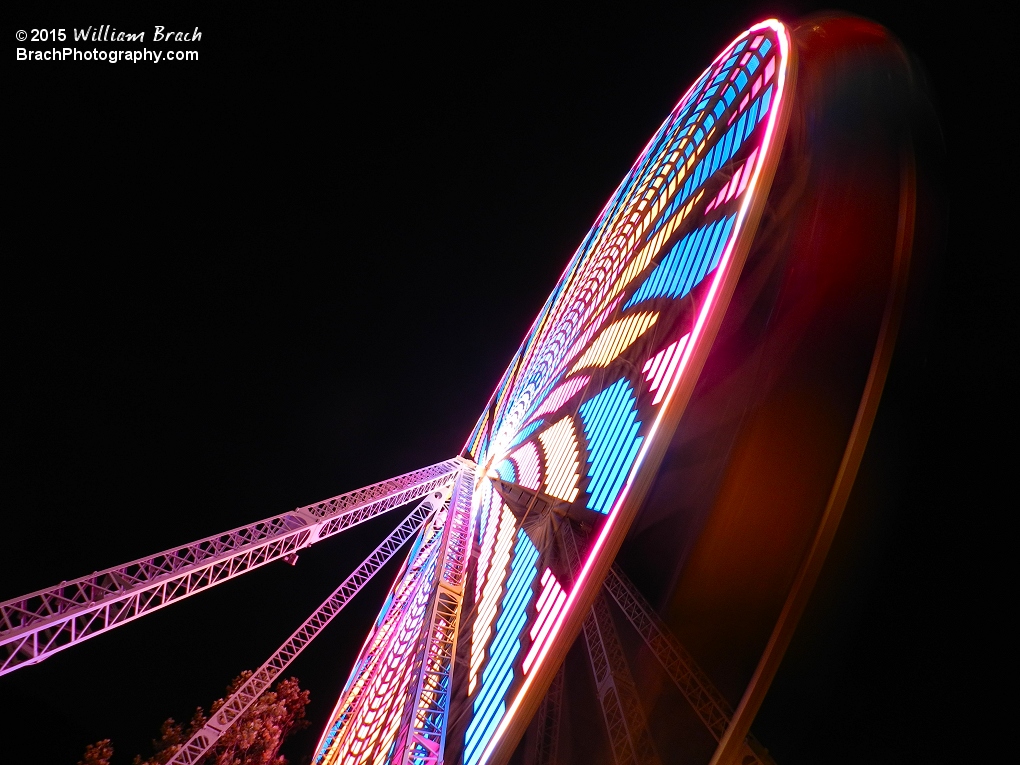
{"x":668,"y":452}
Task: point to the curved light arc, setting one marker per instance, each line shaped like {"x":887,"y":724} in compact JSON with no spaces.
{"x":694,"y":345}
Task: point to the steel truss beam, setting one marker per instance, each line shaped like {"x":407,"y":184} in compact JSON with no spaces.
{"x":422,"y":737}
{"x":710,"y":705}
{"x":353,"y":701}
{"x":544,"y":747}
{"x":35,"y":626}
{"x":204,"y":739}
{"x":629,"y":739}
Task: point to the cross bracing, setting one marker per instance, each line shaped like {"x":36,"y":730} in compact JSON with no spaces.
{"x":626,"y":726}
{"x":710,"y":705}
{"x":205,"y":738}
{"x":383,"y":640}
{"x":543,"y":748}
{"x":162,"y":579}
{"x":37,"y":625}
{"x":422,"y":737}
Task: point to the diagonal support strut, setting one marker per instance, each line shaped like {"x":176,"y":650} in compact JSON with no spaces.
{"x":37,"y":625}
{"x":204,"y":739}
{"x":626,"y":725}
{"x":710,"y":705}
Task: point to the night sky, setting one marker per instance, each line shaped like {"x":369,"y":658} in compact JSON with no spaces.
{"x":299,"y":265}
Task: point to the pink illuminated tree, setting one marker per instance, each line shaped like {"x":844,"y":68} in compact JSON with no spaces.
{"x":98,"y":753}
{"x":255,"y":739}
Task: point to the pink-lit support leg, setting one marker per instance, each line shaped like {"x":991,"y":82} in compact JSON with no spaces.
{"x":626,"y":725}
{"x":422,"y":737}
{"x":710,"y":705}
{"x":195,"y":749}
{"x":35,"y":626}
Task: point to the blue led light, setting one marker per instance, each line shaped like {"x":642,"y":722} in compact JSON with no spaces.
{"x":752,"y":117}
{"x":686,"y":264}
{"x":490,"y":706}
{"x":506,"y":471}
{"x":611,"y":431}
{"x":528,"y":429}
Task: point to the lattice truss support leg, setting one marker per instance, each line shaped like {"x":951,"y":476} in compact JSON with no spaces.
{"x":710,"y":705}
{"x":402,"y":619}
{"x":543,"y":749}
{"x":629,"y":739}
{"x":204,"y":739}
{"x":422,"y":737}
{"x":37,"y":625}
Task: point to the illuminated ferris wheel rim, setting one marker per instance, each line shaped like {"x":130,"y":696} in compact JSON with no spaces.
{"x":709,"y":317}
{"x":749,"y":212}
{"x":660,"y":208}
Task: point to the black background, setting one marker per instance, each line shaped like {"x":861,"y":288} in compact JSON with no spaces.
{"x":299,"y":265}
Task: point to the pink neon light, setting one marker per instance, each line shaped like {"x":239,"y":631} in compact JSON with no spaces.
{"x":718,"y":199}
{"x":662,"y":366}
{"x":528,"y":467}
{"x":735,"y":181}
{"x":652,"y":364}
{"x":721,"y":196}
{"x":695,"y":336}
{"x":561,"y":395}
{"x":747,"y":166}
{"x":756,"y":87}
{"x":669,"y":355}
{"x":544,"y":624}
{"x":549,"y":605}
{"x":544,"y":598}
{"x":662,"y":359}
{"x":735,"y":186}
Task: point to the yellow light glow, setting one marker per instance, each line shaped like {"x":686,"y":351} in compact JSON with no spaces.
{"x":615,"y":339}
{"x":559,"y":443}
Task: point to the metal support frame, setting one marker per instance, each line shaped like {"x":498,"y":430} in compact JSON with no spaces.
{"x":626,"y":725}
{"x":422,"y":736}
{"x":350,"y":704}
{"x":35,"y":626}
{"x":204,"y":739}
{"x":710,"y":705}
{"x":544,"y":747}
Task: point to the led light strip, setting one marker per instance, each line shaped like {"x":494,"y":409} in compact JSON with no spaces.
{"x":692,"y":346}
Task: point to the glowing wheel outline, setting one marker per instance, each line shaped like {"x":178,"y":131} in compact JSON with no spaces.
{"x":688,"y":169}
{"x":709,"y":317}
